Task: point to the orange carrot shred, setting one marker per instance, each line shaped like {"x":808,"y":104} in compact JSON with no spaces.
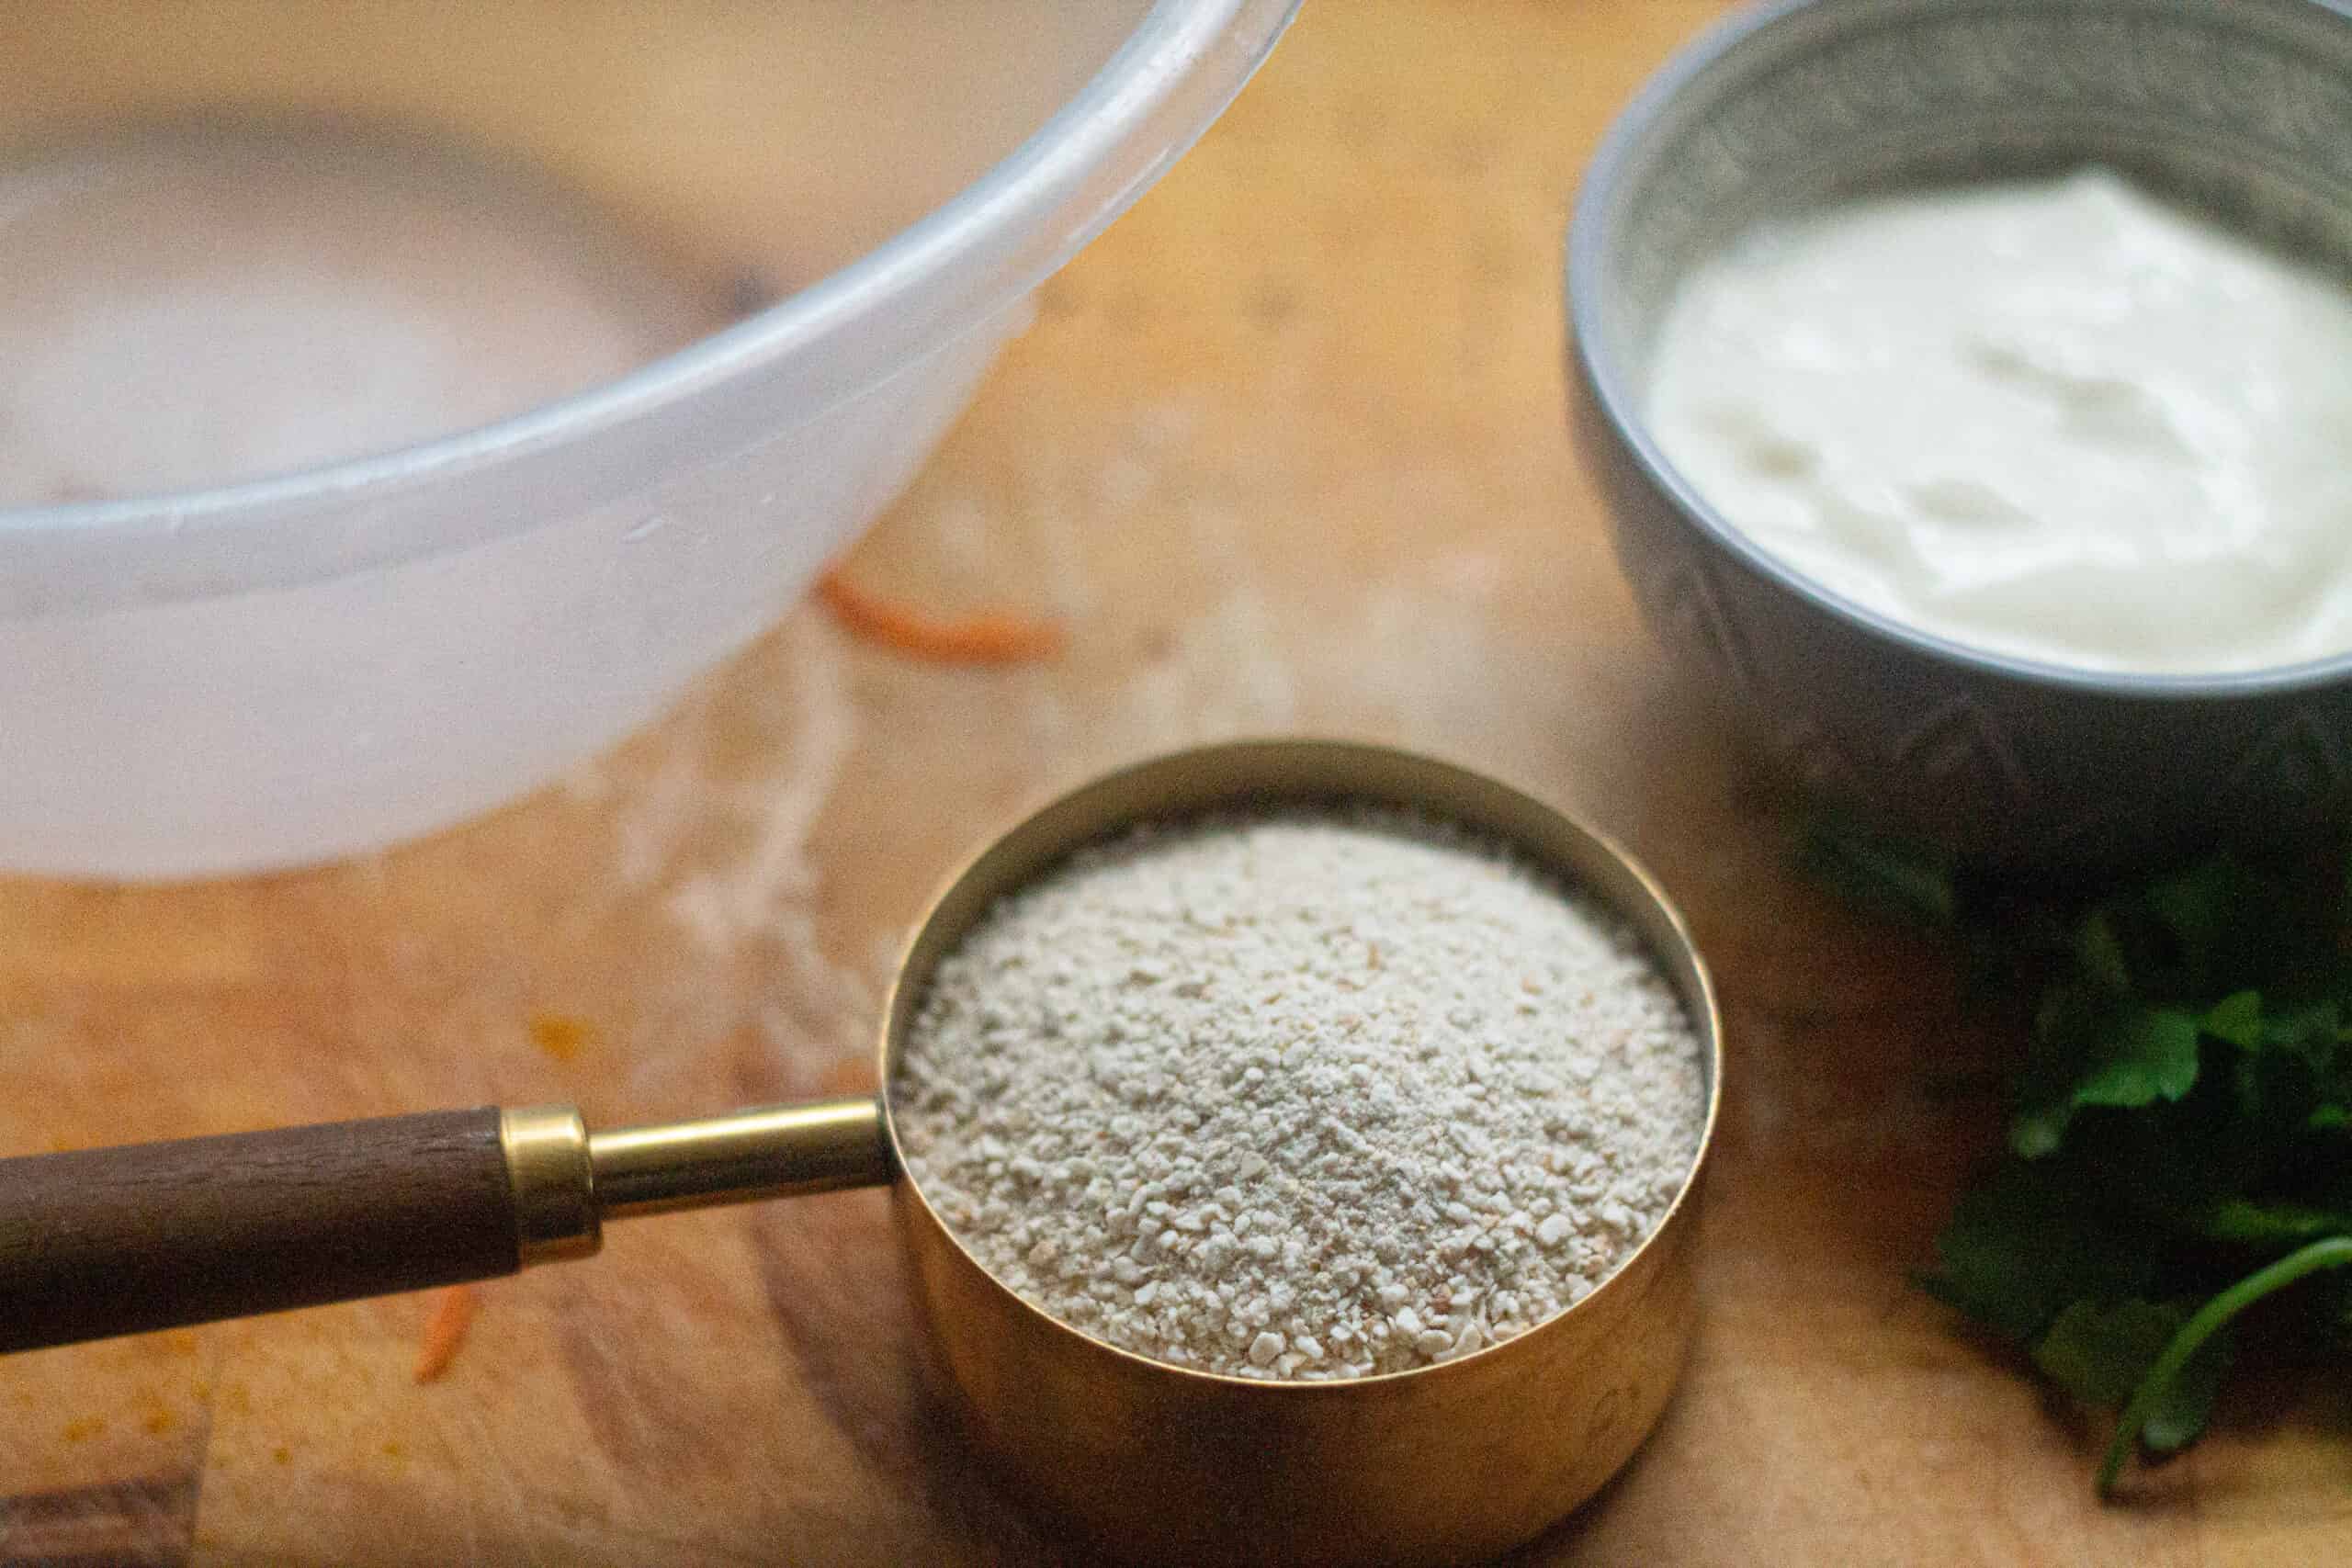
{"x":445,"y":1331}
{"x":994,"y":639}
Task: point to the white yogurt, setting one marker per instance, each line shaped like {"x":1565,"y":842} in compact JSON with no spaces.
{"x":2061,"y":420}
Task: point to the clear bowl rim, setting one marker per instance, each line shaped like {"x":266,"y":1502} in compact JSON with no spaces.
{"x":1592,"y":229}
{"x":1174,"y":73}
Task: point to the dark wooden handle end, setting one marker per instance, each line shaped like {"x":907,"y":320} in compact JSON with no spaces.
{"x":155,"y":1235}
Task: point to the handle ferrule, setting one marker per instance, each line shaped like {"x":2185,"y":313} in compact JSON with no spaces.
{"x":556,"y":1215}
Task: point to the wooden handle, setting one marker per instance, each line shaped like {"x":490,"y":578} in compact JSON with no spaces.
{"x":153,"y":1236}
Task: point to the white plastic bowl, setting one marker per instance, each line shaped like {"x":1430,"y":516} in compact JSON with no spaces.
{"x":313,"y":665}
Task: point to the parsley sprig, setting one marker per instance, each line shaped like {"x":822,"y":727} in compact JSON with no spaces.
{"x":2179,"y":1142}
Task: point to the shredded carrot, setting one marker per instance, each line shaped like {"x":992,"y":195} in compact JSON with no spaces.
{"x":993,"y":638}
{"x":445,"y":1331}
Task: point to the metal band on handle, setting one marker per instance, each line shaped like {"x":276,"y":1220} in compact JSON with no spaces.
{"x":556,"y":1216}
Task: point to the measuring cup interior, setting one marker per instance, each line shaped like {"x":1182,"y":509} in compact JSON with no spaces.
{"x":1247,"y":774}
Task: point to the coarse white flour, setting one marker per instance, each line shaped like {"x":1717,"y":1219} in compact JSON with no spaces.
{"x":1300,"y":1095}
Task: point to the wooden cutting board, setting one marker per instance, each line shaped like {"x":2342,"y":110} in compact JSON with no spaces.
{"x":1286,"y":450}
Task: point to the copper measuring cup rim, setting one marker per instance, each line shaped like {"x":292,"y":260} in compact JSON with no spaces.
{"x":1035,"y":843}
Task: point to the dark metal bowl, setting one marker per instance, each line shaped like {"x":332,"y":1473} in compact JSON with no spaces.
{"x":2241,"y":108}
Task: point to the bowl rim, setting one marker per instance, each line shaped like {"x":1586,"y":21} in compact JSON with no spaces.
{"x":1591,"y":234}
{"x":1176,"y":68}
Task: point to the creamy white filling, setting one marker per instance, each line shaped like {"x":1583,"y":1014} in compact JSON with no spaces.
{"x":2062,"y":421}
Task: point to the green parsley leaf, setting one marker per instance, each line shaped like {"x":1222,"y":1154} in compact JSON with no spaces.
{"x":2237,"y":1019}
{"x":2311,"y":1028}
{"x":2029,"y":1241}
{"x":2270,"y":1226}
{"x":2159,"y":1413}
{"x":2180,"y":1133}
{"x":2099,"y":1351}
{"x":2129,"y":1056}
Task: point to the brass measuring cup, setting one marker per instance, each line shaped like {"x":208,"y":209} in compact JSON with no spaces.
{"x":1454,"y":1461}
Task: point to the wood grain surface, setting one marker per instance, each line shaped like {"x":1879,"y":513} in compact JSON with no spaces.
{"x":1285,"y":451}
